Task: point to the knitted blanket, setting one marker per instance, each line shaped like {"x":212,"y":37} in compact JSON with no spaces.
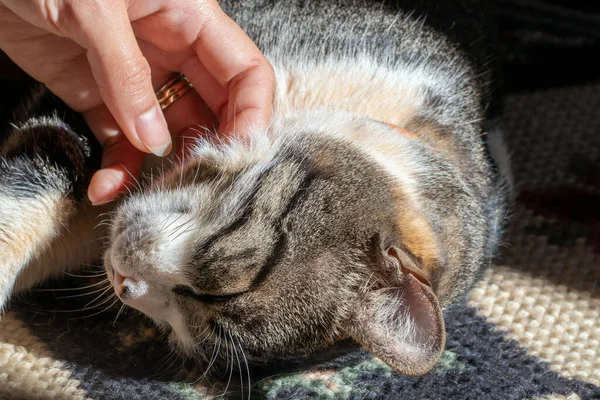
{"x":529,"y":329}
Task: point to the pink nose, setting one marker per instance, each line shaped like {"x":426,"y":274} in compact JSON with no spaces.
{"x":120,"y":282}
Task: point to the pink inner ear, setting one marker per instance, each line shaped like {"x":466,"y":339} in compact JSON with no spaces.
{"x":421,"y":309}
{"x":419,"y":300}
{"x":401,"y":323}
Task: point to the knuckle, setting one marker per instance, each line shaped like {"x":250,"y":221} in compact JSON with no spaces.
{"x":259,"y":70}
{"x":137,"y":71}
{"x":72,"y":16}
{"x":265,"y":73}
{"x":135,"y":80}
{"x":54,"y":13}
{"x":67,"y":16}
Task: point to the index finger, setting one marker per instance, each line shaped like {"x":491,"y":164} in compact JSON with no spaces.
{"x":238,"y":66}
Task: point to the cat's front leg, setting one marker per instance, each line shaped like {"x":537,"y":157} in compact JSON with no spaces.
{"x":42,"y":188}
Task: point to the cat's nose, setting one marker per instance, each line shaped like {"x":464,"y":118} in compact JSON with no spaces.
{"x":123,"y":284}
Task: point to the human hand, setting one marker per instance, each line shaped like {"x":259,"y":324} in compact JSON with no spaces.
{"x":106,"y":58}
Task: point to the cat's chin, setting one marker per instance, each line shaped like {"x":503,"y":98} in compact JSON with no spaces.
{"x":184,"y":349}
{"x":168,"y":319}
{"x":171,"y":322}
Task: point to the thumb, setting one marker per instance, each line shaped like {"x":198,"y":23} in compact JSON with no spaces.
{"x":122,"y":73}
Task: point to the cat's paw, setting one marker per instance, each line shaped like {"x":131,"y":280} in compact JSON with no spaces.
{"x":35,"y":201}
{"x":43,"y":154}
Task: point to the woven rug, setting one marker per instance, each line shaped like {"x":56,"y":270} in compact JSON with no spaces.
{"x":530,"y":329}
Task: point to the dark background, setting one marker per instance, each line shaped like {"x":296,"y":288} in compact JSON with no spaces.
{"x":548,"y":43}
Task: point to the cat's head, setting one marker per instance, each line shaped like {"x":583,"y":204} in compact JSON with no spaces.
{"x":282,"y":247}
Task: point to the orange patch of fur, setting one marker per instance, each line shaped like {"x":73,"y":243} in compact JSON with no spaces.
{"x":417,"y":235}
{"x":404,"y":132}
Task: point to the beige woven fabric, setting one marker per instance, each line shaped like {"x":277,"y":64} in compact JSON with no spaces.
{"x":546,"y":294}
{"x":558,"y":397}
{"x":27,"y":370}
{"x":559,"y":324}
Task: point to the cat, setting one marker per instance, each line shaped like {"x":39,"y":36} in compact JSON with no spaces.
{"x":369,"y":205}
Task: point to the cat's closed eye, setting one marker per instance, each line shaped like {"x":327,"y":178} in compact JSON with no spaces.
{"x":186,"y":291}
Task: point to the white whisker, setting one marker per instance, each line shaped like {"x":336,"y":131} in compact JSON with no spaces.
{"x":99,"y":296}
{"x":215,"y":354}
{"x":99,"y":312}
{"x":230,"y":367}
{"x":85,"y":276}
{"x":247,"y":367}
{"x":70,"y":289}
{"x":82,"y":294}
{"x":119,"y":313}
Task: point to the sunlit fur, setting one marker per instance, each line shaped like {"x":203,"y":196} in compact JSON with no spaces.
{"x":327,"y":229}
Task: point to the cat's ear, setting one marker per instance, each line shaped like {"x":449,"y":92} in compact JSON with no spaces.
{"x":400,"y":320}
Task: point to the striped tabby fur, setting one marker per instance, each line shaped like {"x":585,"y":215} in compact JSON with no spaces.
{"x":332,"y":228}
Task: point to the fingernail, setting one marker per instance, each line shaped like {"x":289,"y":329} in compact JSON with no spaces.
{"x":101,"y":202}
{"x":101,"y":196}
{"x":149,"y":127}
{"x":102,"y":187}
{"x":98,"y":200}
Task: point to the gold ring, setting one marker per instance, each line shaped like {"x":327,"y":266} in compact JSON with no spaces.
{"x":173,"y":90}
